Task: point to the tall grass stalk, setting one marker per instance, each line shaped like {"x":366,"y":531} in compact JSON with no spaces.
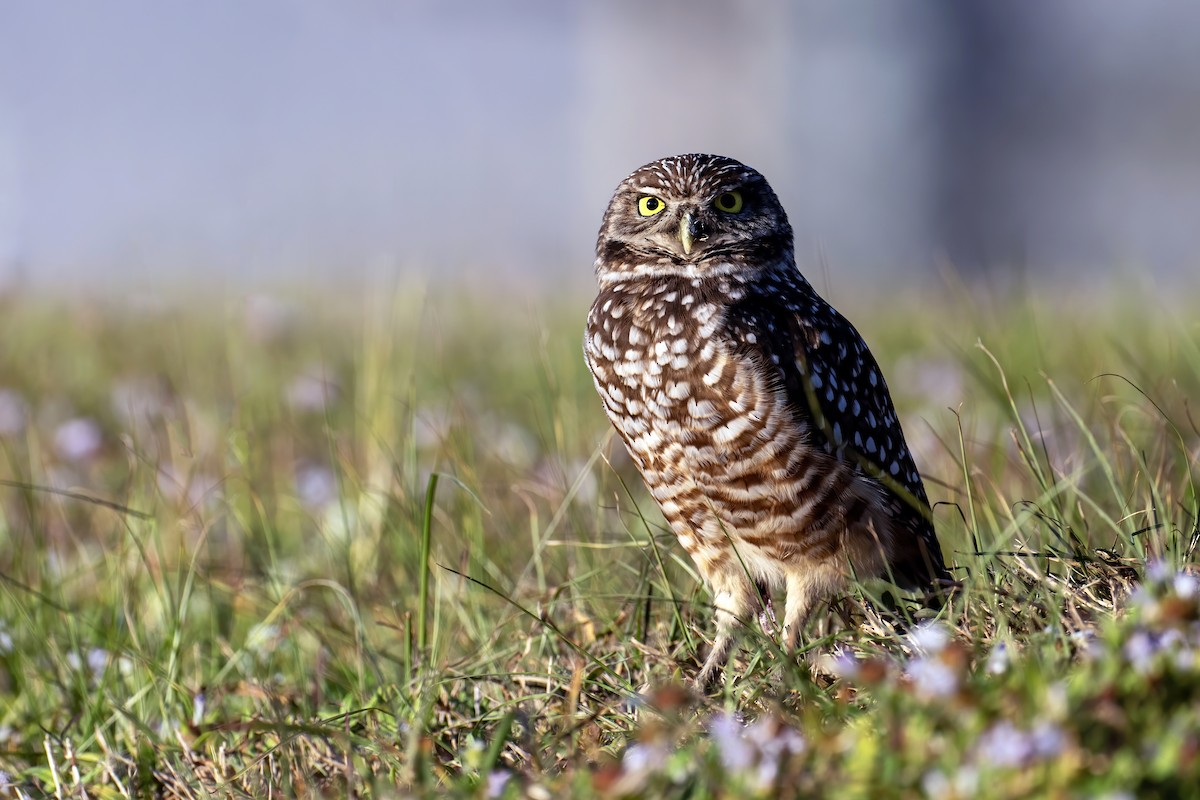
{"x":425,"y":565}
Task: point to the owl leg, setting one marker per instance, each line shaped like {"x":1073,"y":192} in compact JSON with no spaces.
{"x":805,"y":588}
{"x":735,"y":598}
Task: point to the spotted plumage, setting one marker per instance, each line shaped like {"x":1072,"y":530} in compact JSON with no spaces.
{"x":754,"y":411}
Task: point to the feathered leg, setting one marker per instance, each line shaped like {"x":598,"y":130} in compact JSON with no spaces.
{"x":735,"y":598}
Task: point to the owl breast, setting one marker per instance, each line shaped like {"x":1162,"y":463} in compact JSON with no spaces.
{"x":710,"y":428}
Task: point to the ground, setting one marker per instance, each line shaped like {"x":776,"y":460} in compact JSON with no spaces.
{"x":389,"y":548}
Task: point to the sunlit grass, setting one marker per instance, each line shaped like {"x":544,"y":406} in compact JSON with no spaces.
{"x":391,"y":546}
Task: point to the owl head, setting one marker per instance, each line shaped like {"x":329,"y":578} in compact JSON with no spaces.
{"x":692,"y":214}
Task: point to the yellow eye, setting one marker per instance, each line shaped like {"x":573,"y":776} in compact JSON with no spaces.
{"x":729,"y":202}
{"x":649,"y":205}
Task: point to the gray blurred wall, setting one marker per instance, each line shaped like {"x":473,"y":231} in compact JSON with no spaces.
{"x":298,"y":141}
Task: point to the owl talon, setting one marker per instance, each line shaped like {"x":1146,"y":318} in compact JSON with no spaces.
{"x":705,"y":682}
{"x":714,"y":666}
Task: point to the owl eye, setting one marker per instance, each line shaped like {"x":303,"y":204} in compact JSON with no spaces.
{"x":729,"y":202}
{"x":649,"y":205}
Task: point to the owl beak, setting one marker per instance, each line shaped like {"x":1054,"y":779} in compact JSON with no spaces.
{"x":686,"y":235}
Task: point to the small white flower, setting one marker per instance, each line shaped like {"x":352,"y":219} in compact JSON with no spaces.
{"x":1170,"y":639}
{"x":963,"y":783}
{"x":644,"y":758}
{"x":316,"y":486}
{"x":262,"y":638}
{"x":1142,"y":597}
{"x":770,"y":735}
{"x":757,"y":749}
{"x":199,"y":704}
{"x":935,"y":783}
{"x":1047,"y":740}
{"x":496,"y":781}
{"x":735,"y":752}
{"x":13,"y":413}
{"x":78,"y":439}
{"x":932,"y":678}
{"x":96,"y":661}
{"x":6,"y":644}
{"x":1139,"y":650}
{"x":774,"y":742}
{"x":998,"y":660}
{"x":311,"y":392}
{"x":1159,"y":571}
{"x":966,"y":781}
{"x":1003,"y":745}
{"x":842,"y":664}
{"x":1088,"y":645}
{"x":929,"y":637}
{"x":1186,"y":585}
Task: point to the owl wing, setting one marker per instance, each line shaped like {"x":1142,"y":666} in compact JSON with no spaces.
{"x":837,"y":392}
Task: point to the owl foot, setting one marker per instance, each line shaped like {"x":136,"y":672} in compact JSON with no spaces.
{"x":714,"y":666}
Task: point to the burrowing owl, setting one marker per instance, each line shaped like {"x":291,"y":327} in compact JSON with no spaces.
{"x":755,"y":412}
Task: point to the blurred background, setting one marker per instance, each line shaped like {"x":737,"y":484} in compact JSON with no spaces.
{"x":147,"y":144}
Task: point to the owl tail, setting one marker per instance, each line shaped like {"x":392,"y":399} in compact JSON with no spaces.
{"x":919,"y":565}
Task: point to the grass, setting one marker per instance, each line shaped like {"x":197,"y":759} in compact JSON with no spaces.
{"x":391,"y":549}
